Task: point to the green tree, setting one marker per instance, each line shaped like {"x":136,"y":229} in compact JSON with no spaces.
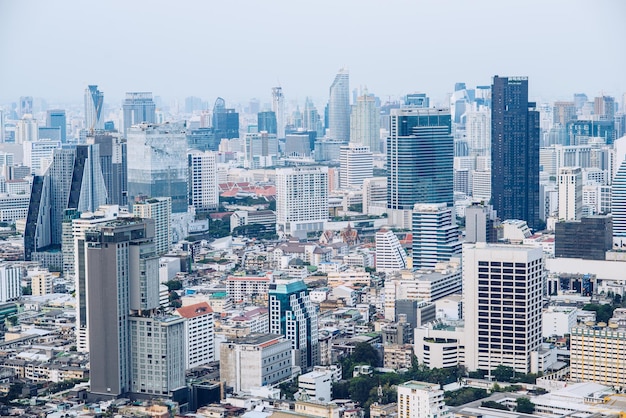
{"x":364,"y":353}
{"x":524,"y":405}
{"x":503,"y":373}
{"x":603,"y":312}
{"x":174,"y":285}
{"x":360,"y":388}
{"x":341,"y":390}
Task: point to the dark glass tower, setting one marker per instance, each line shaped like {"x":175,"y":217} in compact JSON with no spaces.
{"x":56,"y":119}
{"x":514,"y":151}
{"x":225,"y":121}
{"x":267,"y":122}
{"x":420,"y":158}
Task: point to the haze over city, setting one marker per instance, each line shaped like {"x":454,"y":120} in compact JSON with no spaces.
{"x":240,"y":49}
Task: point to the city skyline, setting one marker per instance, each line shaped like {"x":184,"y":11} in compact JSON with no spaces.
{"x":350,"y":36}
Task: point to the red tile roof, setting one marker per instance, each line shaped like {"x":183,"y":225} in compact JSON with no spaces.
{"x":195,"y":310}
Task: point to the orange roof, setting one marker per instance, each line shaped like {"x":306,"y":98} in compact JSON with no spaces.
{"x":195,"y":310}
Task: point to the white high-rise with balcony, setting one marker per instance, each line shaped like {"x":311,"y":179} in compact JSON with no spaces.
{"x":390,"y":256}
{"x":301,"y":200}
{"x":203,"y":183}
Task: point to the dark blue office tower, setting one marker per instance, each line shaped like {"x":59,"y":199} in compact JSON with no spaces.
{"x":225,"y":121}
{"x":266,"y":121}
{"x":515,"y":139}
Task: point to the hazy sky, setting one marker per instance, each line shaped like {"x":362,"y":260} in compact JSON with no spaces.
{"x":240,"y":49}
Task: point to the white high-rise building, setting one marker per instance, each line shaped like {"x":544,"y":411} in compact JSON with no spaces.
{"x":618,"y":202}
{"x":199,"y":334}
{"x":502,"y":289}
{"x":356,"y":165}
{"x":38,"y":154}
{"x":390,"y":256}
{"x":421,"y":400}
{"x":570,"y":193}
{"x":478,"y":130}
{"x":10,"y":282}
{"x":159,"y":209}
{"x":375,"y":195}
{"x":278,"y":107}
{"x":203,"y":183}
{"x":435,"y":235}
{"x":260,"y":150}
{"x":365,"y":122}
{"x":339,"y":106}
{"x":301,"y":200}
{"x":26,"y":129}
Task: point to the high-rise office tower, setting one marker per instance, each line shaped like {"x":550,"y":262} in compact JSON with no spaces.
{"x":311,"y":119}
{"x":113,"y":162}
{"x":390,"y":256}
{"x":420,"y":158}
{"x":564,"y":112}
{"x":266,"y":121}
{"x":138,"y":108}
{"x":225,"y":121}
{"x":38,"y":154}
{"x":502,"y":290}
{"x":339,"y":107}
{"x":260,"y":149}
{"x":26,"y":106}
{"x":478,"y":131}
{"x":570,"y":193}
{"x":479,"y":224}
{"x":417,"y":100}
{"x":604,"y":108}
{"x":618,"y":202}
{"x":203,"y":184}
{"x":56,"y":119}
{"x":157,"y":163}
{"x":74,"y":261}
{"x":94,"y":100}
{"x":580,"y":99}
{"x":301,"y":200}
{"x":278,"y":107}
{"x":73,"y":181}
{"x":514,"y":151}
{"x":292,"y":315}
{"x":26,"y":129}
{"x":10,"y":282}
{"x":365,"y":122}
{"x":356,"y":165}
{"x":159,"y":209}
{"x":435,"y":235}
{"x":131,"y":349}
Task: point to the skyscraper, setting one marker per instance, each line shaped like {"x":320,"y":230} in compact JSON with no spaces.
{"x":514,"y":151}
{"x":203,"y":184}
{"x":356,"y":165}
{"x":278,"y":107}
{"x":266,"y":121}
{"x":339,"y":106}
{"x":570,"y":193}
{"x":157,"y":163}
{"x":73,"y":181}
{"x":502,"y":290}
{"x":390,"y":256}
{"x":94,"y":99}
{"x":618,"y":203}
{"x":113,"y":162}
{"x":301,"y":200}
{"x":138,"y":108}
{"x":26,"y":106}
{"x":56,"y":119}
{"x":420,"y":159}
{"x":225,"y":121}
{"x":435,"y":235}
{"x":292,"y":315}
{"x":365,"y":122}
{"x":159,"y":209}
{"x":132,"y":349}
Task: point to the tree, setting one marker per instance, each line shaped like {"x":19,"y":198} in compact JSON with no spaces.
{"x":364,"y":353}
{"x":341,"y":390}
{"x":525,"y":406}
{"x":503,"y":373}
{"x":360,"y":388}
{"x":603,"y":312}
{"x":174,"y":285}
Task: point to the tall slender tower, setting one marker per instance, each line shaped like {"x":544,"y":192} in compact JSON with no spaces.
{"x":365,"y":122}
{"x":94,"y":99}
{"x":339,"y":106}
{"x":514,"y":151}
{"x":570,"y":193}
{"x":278,"y":107}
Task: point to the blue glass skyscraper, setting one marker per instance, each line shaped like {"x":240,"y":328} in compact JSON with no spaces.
{"x":56,"y":119}
{"x":420,"y":158}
